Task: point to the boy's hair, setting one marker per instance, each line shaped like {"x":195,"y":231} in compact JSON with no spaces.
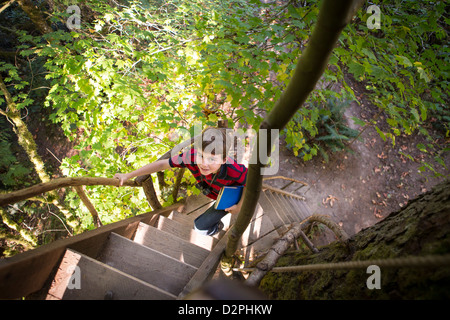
{"x":214,"y":141}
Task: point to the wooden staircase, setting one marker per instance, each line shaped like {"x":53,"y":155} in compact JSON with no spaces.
{"x":154,"y":256}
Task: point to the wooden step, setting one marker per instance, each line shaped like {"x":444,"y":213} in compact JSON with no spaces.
{"x":293,"y":217}
{"x":295,"y":210}
{"x":278,"y":207}
{"x":188,"y":220}
{"x":183,"y":218}
{"x":259,"y":235}
{"x":272,"y":213}
{"x":304,"y":211}
{"x":93,"y":280}
{"x":195,"y":205}
{"x":171,"y":245}
{"x":147,"y":264}
{"x":186,"y":233}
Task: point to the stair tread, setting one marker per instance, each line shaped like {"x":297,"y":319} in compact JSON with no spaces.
{"x":182,"y":218}
{"x":146,"y":264}
{"x":170,"y":244}
{"x":189,"y":219}
{"x":273,"y":198}
{"x":290,"y":212}
{"x":303,"y":211}
{"x":294,"y":209}
{"x":259,"y":235}
{"x":195,"y":205}
{"x":272,"y":213}
{"x":186,"y":232}
{"x":96,"y":279}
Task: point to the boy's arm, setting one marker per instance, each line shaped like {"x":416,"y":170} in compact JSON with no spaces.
{"x":237,"y":207}
{"x":150,"y":168}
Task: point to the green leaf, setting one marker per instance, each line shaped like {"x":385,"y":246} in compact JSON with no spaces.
{"x":415,"y":114}
{"x":422,"y":147}
{"x":358,"y":121}
{"x":356,"y":69}
{"x":404,"y":61}
{"x":381,"y":133}
{"x":293,"y":12}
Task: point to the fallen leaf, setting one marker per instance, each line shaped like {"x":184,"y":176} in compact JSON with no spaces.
{"x":330,"y":199}
{"x":402,"y":158}
{"x":382,"y":155}
{"x":377,"y":213}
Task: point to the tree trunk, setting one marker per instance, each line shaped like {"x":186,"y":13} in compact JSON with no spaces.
{"x":334,"y":15}
{"x":422,"y":228}
{"x":35,"y":15}
{"x":24,"y":136}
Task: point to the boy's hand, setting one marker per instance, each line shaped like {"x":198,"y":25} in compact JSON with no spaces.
{"x":234,"y":209}
{"x":122,"y":178}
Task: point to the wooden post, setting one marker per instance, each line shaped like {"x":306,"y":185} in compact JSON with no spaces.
{"x":82,"y":194}
{"x":149,"y":190}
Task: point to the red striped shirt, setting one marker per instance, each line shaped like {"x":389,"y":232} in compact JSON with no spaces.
{"x":230,"y":173}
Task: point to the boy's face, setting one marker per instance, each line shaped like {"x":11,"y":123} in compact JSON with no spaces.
{"x":209,"y":163}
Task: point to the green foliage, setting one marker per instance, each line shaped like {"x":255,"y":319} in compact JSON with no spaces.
{"x":404,"y":66}
{"x":320,"y":129}
{"x":12,"y":172}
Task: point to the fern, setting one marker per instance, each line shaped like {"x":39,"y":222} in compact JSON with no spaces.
{"x":331,"y":134}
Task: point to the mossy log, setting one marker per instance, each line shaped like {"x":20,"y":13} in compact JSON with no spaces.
{"x":422,"y":228}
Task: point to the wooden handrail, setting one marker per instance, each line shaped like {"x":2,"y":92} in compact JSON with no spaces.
{"x":19,"y":195}
{"x":285,"y":178}
{"x":292,"y":195}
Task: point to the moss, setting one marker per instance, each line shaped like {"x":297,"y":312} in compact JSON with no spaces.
{"x":422,"y":228}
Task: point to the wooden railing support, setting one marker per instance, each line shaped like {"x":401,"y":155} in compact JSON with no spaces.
{"x":149,"y":190}
{"x":84,"y":198}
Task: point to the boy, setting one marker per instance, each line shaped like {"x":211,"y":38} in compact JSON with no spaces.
{"x":212,"y":168}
